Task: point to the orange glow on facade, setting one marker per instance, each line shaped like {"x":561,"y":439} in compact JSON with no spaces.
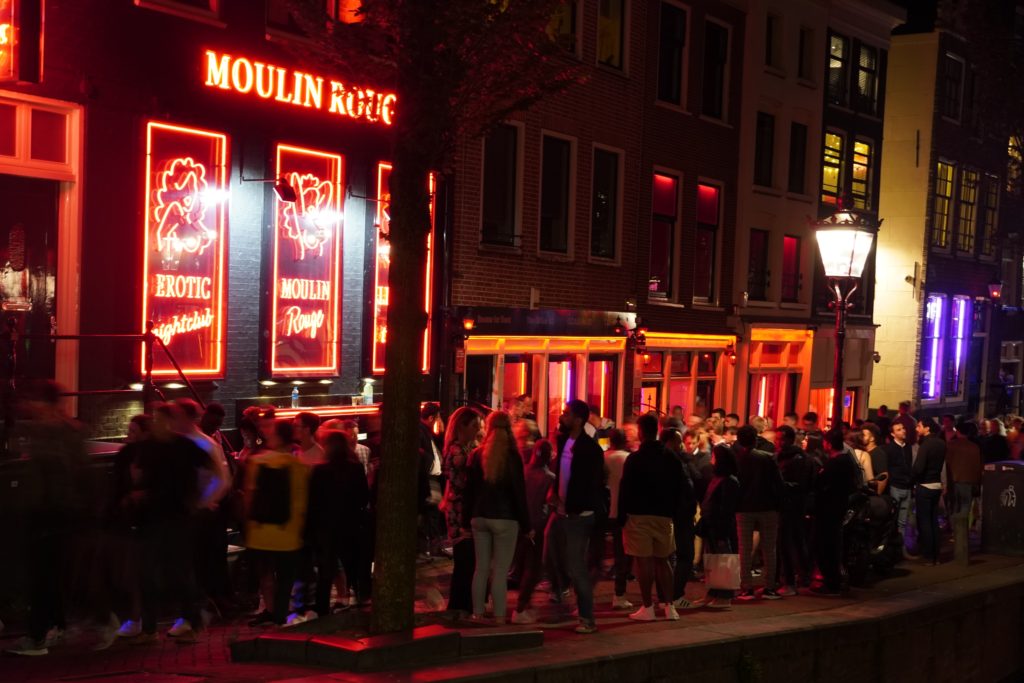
{"x":382,"y":291}
{"x":296,"y":88}
{"x":329,"y":411}
{"x":7,"y":44}
{"x":307,"y":262}
{"x":185,"y":230}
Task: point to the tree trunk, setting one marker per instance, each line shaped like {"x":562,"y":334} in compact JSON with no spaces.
{"x":397,"y":496}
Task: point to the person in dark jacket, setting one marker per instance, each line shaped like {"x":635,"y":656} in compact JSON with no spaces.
{"x":648,"y":501}
{"x":336,"y":520}
{"x":682,"y":522}
{"x":995,"y":447}
{"x":430,"y":481}
{"x":931,"y":458}
{"x":577,"y":497}
{"x":899,"y":460}
{"x":460,"y":439}
{"x":798,"y":473}
{"x":538,"y":485}
{"x":758,"y":510}
{"x":718,"y":518}
{"x":839,"y":478}
{"x":495,"y":501}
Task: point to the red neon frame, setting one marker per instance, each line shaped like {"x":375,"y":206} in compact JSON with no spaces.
{"x":380,"y":289}
{"x":8,"y":42}
{"x":206,"y":207}
{"x":295,"y":164}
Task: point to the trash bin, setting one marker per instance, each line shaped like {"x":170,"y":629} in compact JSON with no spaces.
{"x":1002,"y":508}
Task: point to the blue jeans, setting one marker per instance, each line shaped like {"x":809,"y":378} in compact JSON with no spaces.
{"x":568,"y":539}
{"x":928,"y":522}
{"x":902,"y":499}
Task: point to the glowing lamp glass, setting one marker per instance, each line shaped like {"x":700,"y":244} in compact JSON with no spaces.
{"x":844,"y":251}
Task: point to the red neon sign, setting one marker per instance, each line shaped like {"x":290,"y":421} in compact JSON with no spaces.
{"x":8,"y":37}
{"x":183,"y":258}
{"x":381,"y":288}
{"x":297,"y":88}
{"x":307,"y":260}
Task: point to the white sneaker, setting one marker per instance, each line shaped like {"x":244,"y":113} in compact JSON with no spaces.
{"x":524,"y":617}
{"x":310,"y":615}
{"x":55,"y":636}
{"x":180,"y":627}
{"x":683,"y":603}
{"x":129,"y":629}
{"x":620,"y":602}
{"x":294,"y":619}
{"x":644,"y":614}
{"x":670,"y":612}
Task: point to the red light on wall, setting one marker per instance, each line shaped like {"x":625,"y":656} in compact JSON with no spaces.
{"x":183,"y":257}
{"x":707,"y":204}
{"x":307,"y":263}
{"x":8,"y":44}
{"x":381,"y":288}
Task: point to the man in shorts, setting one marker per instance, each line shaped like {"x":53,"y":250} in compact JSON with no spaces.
{"x":648,"y":497}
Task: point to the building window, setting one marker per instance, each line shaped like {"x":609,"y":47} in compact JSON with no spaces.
{"x":764,"y":147}
{"x":556,"y":170}
{"x":967,"y":216}
{"x":943,"y":204}
{"x":867,"y":79}
{"x":611,"y":33}
{"x":187,"y":9}
{"x":957,"y":348}
{"x":663,"y":229}
{"x":501,"y":186}
{"x":831,"y":168}
{"x":797,"y":158}
{"x":716,"y":61}
{"x":790,"y":269}
{"x":838,"y":68}
{"x":671,"y":47}
{"x":708,"y":217}
{"x":757,"y":268}
{"x":562,"y":28}
{"x":1014,"y":165}
{"x":931,"y":346}
{"x":773,"y":41}
{"x":604,"y":205}
{"x":805,"y":55}
{"x":952,"y":87}
{"x":989,"y":216}
{"x":860,"y":183}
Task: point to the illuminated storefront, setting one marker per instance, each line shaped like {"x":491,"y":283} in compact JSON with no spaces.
{"x":688,"y":372}
{"x":777,"y":362}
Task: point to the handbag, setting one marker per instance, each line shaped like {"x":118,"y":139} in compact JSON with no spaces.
{"x":722,"y":571}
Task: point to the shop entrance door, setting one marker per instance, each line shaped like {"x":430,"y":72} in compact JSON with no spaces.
{"x":480,"y":381}
{"x":28,"y":254}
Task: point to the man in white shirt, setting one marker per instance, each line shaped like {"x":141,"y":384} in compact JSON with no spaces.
{"x":309,"y":452}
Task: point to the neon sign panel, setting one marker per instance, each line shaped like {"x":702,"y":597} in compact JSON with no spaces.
{"x":8,"y":43}
{"x":381,"y":289}
{"x":296,"y":88}
{"x":183,"y":259}
{"x":307,"y":259}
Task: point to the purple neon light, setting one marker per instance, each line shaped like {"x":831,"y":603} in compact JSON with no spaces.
{"x":935,"y":316}
{"x":961,"y":336}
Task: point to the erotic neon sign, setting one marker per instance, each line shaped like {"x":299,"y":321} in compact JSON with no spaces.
{"x":287,"y":86}
{"x":310,"y":219}
{"x":180,"y":208}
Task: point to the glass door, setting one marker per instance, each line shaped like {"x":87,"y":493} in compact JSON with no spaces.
{"x":561,"y":387}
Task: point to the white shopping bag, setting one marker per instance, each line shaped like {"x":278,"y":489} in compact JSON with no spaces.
{"x":722,"y":571}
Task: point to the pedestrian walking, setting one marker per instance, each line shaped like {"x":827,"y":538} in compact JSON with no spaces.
{"x":460,"y":441}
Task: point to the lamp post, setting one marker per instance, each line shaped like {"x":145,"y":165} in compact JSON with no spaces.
{"x":844,"y":242}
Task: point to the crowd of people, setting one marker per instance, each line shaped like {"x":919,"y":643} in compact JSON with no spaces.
{"x":649,"y":499}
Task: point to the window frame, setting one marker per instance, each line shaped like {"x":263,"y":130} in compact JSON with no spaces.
{"x":517,"y":223}
{"x":863,"y":202}
{"x":868,"y":103}
{"x":622,"y":68}
{"x":184,"y":10}
{"x":766,"y":273}
{"x":797,"y":276}
{"x":570,"y":198}
{"x":794,"y":154}
{"x":774,"y":39}
{"x":805,"y":54}
{"x":684,"y":59}
{"x":948,"y":57}
{"x":950,"y":351}
{"x":764,"y":147}
{"x":716,"y":261}
{"x":620,"y":193}
{"x":726,"y":68}
{"x":937,"y":348}
{"x":840,"y":165}
{"x":576,"y":12}
{"x":990,"y":216}
{"x":674,"y":252}
{"x":947,"y":233}
{"x":967,"y":210}
{"x":843,"y":99}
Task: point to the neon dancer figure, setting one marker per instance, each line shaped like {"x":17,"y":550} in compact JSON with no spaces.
{"x":181,"y":209}
{"x":308,"y":220}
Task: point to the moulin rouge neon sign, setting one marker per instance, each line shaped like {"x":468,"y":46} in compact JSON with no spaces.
{"x":307,"y":258}
{"x":186,"y":218}
{"x":297,"y":88}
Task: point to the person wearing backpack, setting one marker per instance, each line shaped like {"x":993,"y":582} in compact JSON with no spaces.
{"x":276,"y":496}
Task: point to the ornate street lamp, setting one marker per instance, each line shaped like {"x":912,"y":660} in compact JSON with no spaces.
{"x":844,"y":242}
{"x":995,"y":291}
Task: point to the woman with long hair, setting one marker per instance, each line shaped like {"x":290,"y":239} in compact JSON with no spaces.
{"x":718,"y":517}
{"x":494,"y":502}
{"x":459,"y":441}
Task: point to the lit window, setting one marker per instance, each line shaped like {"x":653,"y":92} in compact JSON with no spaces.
{"x":1014,"y":165}
{"x":943,"y":203}
{"x":562,"y":28}
{"x":990,"y":215}
{"x":500,"y":187}
{"x":831,"y":168}
{"x":838,"y":68}
{"x":708,"y":217}
{"x":757,"y":268}
{"x":860,"y":184}
{"x":556,"y":167}
{"x":952,"y":87}
{"x":663,"y":227}
{"x":764,"y":148}
{"x":867,"y":79}
{"x":611,"y":32}
{"x":671,"y":53}
{"x":967,"y":210}
{"x":716,"y":61}
{"x":931,"y":346}
{"x":956,"y":345}
{"x":790,"y":269}
{"x":604,"y":204}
